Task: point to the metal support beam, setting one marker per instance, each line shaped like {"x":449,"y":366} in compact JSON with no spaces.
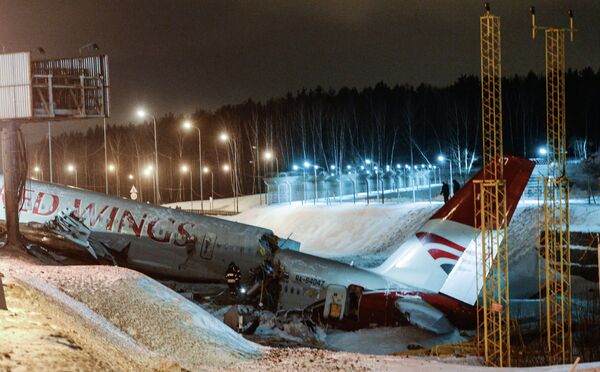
{"x":11,"y":166}
{"x":493,"y":336}
{"x":554,"y":222}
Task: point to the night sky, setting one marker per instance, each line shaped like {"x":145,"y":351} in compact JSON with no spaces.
{"x":181,"y":55}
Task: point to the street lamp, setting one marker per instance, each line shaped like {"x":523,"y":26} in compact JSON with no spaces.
{"x":542,"y":151}
{"x":113,"y":169}
{"x":442,"y":159}
{"x":205,"y":170}
{"x":71,"y":168}
{"x":37,"y":171}
{"x":186,"y":169}
{"x":315,"y":167}
{"x":269,"y":156}
{"x":142,"y":114}
{"x":149,"y":172}
{"x":224,"y":137}
{"x":188,"y":126}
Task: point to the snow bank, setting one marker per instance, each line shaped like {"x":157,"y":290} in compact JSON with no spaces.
{"x":342,"y":230}
{"x":153,"y":315}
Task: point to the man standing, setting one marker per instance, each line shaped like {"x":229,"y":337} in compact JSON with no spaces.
{"x":233,"y":276}
{"x":455,"y":186}
{"x":445,"y":191}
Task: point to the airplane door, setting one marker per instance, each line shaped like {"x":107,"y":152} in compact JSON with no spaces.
{"x":208,"y":246}
{"x":335,"y":302}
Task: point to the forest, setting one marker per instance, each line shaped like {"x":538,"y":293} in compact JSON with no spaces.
{"x":399,"y":124}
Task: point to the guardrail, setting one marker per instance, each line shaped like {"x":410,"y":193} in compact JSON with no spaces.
{"x":214,"y":212}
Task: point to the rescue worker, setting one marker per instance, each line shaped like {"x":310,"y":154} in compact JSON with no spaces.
{"x":455,"y":186}
{"x":445,"y":191}
{"x":233,"y":276}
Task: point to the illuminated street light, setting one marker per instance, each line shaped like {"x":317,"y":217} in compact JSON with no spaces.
{"x":37,"y":171}
{"x":188,"y":125}
{"x":71,"y":168}
{"x":542,"y":151}
{"x":130,"y":176}
{"x":348,"y":167}
{"x":367,"y":161}
{"x":185,"y":169}
{"x":224,"y":137}
{"x":295,"y":167}
{"x":226,"y":168}
{"x":332,"y":167}
{"x":111,"y":168}
{"x":141,"y":113}
{"x":441,"y":159}
{"x":306,"y":164}
{"x":212,"y":183}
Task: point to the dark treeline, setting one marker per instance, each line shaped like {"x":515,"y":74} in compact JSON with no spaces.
{"x":389,"y":125}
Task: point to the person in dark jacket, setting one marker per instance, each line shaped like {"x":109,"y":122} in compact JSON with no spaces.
{"x":445,"y":191}
{"x":233,"y":276}
{"x":455,"y":186}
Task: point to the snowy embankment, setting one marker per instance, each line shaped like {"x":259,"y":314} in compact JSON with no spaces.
{"x":136,"y":310}
{"x":342,"y":230}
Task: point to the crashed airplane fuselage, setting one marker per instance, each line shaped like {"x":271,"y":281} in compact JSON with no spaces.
{"x":155,"y":240}
{"x":431,"y":281}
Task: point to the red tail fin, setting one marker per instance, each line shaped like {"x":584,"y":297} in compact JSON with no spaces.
{"x":426,"y":259}
{"x":461,"y":207}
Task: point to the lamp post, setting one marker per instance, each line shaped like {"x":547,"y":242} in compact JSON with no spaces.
{"x":73,"y":169}
{"x":148,"y":173}
{"x":37,"y":171}
{"x":224,"y":137}
{"x":113,"y":169}
{"x":188,"y":125}
{"x":185,"y":169}
{"x":306,"y":165}
{"x":269,"y":156}
{"x":212,"y":182}
{"x":105,"y":158}
{"x":441,"y":159}
{"x":142,"y":114}
{"x":315,"y":167}
{"x":50,"y":151}
{"x":227,"y":169}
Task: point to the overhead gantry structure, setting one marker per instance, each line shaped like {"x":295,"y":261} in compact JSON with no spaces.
{"x":553,"y":214}
{"x":41,"y":91}
{"x":493,"y":322}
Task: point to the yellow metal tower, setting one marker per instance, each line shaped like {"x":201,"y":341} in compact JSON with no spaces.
{"x":553,"y":221}
{"x":493,"y":334}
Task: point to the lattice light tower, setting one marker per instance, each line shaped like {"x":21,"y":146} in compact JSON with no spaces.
{"x":493,"y":334}
{"x":553,"y":221}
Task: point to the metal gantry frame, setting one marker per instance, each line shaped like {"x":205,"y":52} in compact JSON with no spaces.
{"x":493,"y":321}
{"x":553,"y":214}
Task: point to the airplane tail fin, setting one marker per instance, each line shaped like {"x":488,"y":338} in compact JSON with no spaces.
{"x":446,"y":244}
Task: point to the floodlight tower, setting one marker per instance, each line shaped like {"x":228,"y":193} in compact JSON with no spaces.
{"x":493,"y":320}
{"x":553,"y":221}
